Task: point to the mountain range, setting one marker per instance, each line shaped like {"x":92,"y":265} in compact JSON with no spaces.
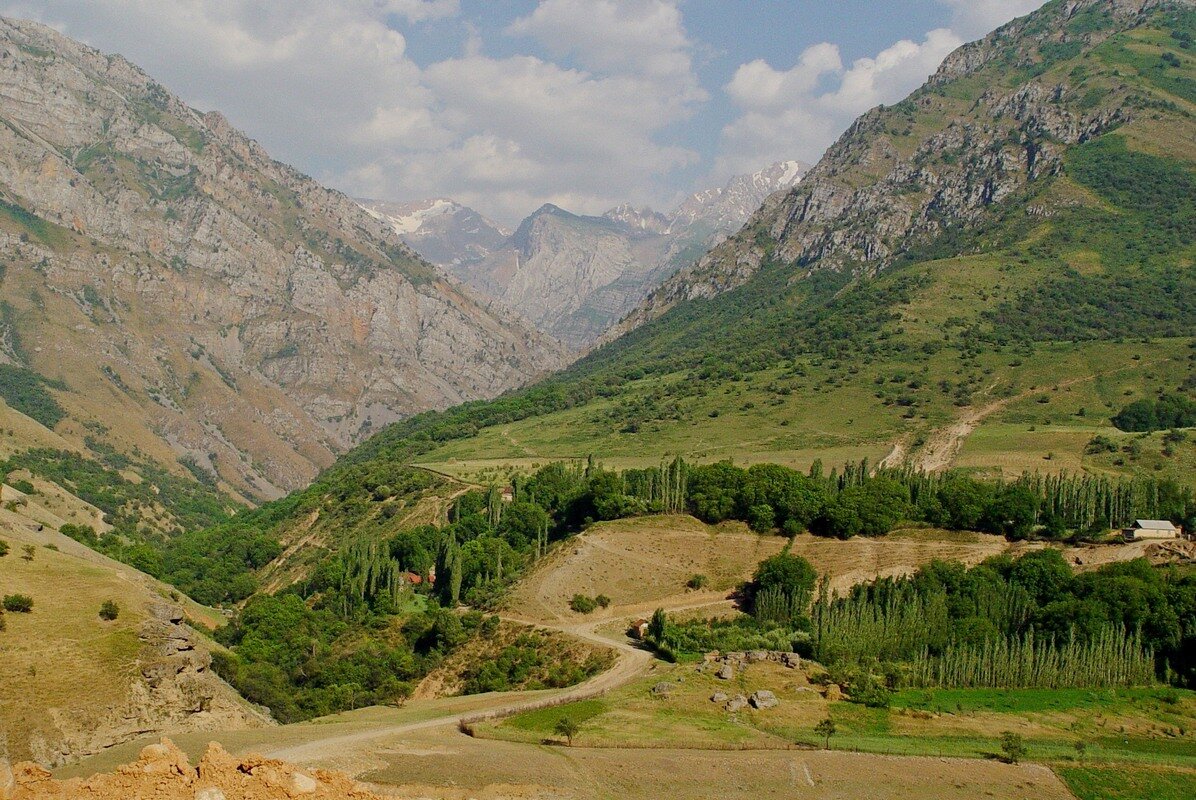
{"x":574,"y":276}
{"x":191,"y":298}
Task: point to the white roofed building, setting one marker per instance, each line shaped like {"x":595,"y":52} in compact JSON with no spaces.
{"x":1151,"y":529}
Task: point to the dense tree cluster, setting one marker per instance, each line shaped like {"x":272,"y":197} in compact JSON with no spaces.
{"x":1006,"y":623}
{"x":1167,"y":411}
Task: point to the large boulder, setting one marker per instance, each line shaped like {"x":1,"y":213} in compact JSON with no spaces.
{"x":763,"y":699}
{"x":736,"y":703}
{"x":726,"y":672}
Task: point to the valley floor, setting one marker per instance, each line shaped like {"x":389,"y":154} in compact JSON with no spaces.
{"x":637,"y":747}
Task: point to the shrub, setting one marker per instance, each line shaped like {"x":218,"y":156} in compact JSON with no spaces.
{"x":826,"y":729}
{"x":697,"y":582}
{"x":602,"y":601}
{"x":3,"y":548}
{"x":109,"y":610}
{"x":582,"y":604}
{"x":567,"y":727}
{"x":18,"y":603}
{"x":28,"y":552}
{"x":1013,"y":746}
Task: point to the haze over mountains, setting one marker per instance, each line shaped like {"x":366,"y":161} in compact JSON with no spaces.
{"x":197,"y":299}
{"x":574,"y":276}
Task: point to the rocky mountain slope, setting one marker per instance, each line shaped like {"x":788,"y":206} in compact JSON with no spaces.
{"x":968,"y":273}
{"x":189,"y":297}
{"x":905,"y":175}
{"x":574,"y":276}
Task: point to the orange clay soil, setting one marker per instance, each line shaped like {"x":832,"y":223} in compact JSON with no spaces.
{"x":163,"y":773}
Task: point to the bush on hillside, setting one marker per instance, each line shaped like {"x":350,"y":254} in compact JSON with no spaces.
{"x":582,"y":604}
{"x":18,"y":603}
{"x":109,"y":610}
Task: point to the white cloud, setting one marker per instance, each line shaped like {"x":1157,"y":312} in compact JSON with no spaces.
{"x":644,"y":36}
{"x":420,"y":10}
{"x":793,"y":113}
{"x":972,"y":19}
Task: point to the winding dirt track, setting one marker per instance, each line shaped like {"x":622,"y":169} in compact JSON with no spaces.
{"x":631,"y":662}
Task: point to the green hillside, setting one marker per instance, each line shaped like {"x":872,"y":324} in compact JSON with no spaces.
{"x":1034,"y":321}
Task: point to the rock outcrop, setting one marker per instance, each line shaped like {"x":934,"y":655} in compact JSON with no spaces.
{"x":202,"y":301}
{"x":173,"y":689}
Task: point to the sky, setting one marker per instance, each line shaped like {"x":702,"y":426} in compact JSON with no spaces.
{"x":505,"y":105}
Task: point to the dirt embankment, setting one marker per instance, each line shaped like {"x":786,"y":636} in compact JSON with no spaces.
{"x":164,"y":773}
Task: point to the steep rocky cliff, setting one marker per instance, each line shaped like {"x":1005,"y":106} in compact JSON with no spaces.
{"x":194,"y":298}
{"x":994,"y":119}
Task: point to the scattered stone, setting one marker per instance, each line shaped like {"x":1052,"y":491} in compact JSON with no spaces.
{"x":210,"y":793}
{"x":726,"y":673}
{"x":718,"y":697}
{"x":791,"y":660}
{"x":763,"y":699}
{"x":662,"y":689}
{"x":736,"y":703}
{"x":833,"y":692}
{"x":302,"y":784}
{"x":756,"y":656}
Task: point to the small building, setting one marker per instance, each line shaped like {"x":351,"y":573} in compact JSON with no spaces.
{"x":414,"y":579}
{"x":639,"y":629}
{"x":1144,"y":529}
{"x":508,"y":494}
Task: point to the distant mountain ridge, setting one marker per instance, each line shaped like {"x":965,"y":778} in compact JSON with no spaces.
{"x":441,"y":230}
{"x":573,"y":276}
{"x":193,"y":299}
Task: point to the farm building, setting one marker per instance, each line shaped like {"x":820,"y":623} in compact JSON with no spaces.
{"x":1151,"y":529}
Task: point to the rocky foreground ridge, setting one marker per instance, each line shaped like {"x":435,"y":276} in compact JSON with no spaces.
{"x":200,"y":300}
{"x":163,"y":772}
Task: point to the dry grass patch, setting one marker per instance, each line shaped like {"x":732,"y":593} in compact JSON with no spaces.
{"x":63,"y":668}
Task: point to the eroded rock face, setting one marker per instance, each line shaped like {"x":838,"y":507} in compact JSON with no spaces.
{"x":174,"y":689}
{"x":227,"y":306}
{"x":885,"y":187}
{"x":163,"y":772}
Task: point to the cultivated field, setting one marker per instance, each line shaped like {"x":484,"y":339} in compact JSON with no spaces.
{"x":639,"y":563}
